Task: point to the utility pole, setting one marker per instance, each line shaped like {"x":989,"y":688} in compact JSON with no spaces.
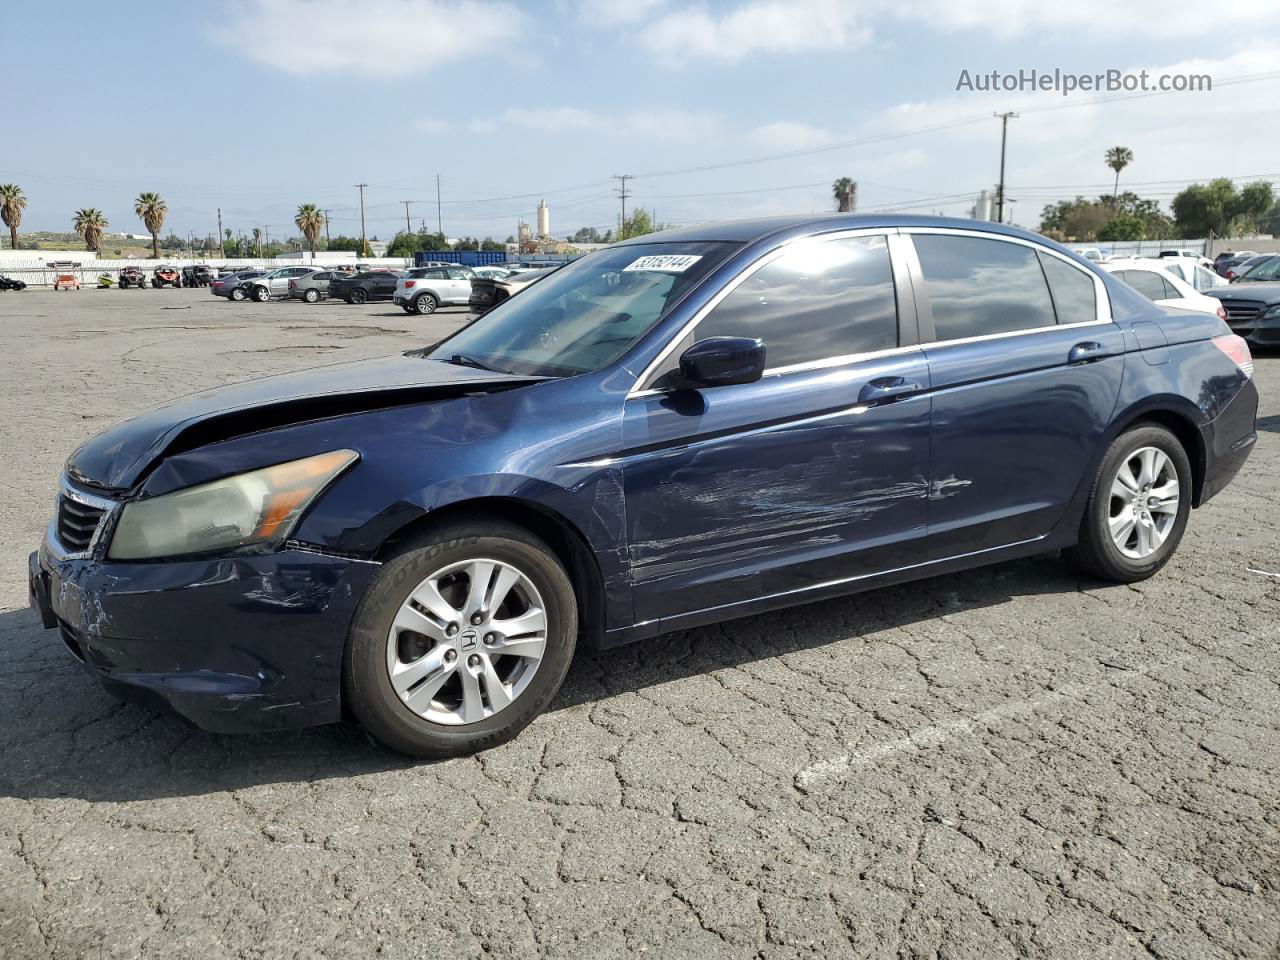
{"x":363,"y":242}
{"x":439,"y":215}
{"x":1004,"y":137}
{"x":326,"y":227}
{"x":222,"y":246}
{"x":622,"y":179}
{"x":408,"y":227}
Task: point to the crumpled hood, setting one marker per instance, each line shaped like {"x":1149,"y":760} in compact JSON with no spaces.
{"x":121,"y":455}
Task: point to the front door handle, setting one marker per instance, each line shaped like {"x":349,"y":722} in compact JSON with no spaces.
{"x":886,"y":389}
{"x":1087,"y":351}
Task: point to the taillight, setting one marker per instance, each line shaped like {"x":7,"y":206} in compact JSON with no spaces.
{"x":409,"y":283}
{"x":1237,"y":349}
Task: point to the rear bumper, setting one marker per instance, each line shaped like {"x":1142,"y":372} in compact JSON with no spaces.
{"x":1228,"y":440}
{"x":235,"y":645}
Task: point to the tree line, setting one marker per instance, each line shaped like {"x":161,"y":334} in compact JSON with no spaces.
{"x":1217,"y":208}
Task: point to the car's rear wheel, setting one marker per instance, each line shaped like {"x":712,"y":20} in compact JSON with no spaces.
{"x":425,"y":303}
{"x":461,"y":641}
{"x":238,"y":293}
{"x":311,"y":296}
{"x":358,"y":296}
{"x":1138,"y":507}
{"x":261,"y":294}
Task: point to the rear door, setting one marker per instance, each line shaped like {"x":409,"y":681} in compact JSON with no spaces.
{"x":459,"y":284}
{"x":1025,"y":365}
{"x":818,"y":472}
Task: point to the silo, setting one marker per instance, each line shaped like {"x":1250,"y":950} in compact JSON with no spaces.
{"x":544,"y":219}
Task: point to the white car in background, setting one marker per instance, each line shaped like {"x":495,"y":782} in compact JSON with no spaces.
{"x":1155,"y":281}
{"x":1194,"y":272}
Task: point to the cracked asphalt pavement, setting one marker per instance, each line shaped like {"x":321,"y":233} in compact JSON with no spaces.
{"x":1011,"y":762}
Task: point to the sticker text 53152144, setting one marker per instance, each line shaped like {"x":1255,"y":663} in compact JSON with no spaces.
{"x":670,"y":263}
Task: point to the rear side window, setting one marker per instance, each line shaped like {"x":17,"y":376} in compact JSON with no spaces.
{"x":820,"y":299}
{"x":978,"y":287}
{"x":459,"y":273}
{"x":1072,"y":290}
{"x":1150,"y":284}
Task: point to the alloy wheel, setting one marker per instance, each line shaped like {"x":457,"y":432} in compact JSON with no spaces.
{"x":1144,"y":503}
{"x":466,"y":642}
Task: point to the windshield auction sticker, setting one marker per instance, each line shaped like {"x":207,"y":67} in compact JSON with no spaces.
{"x":671,"y":263}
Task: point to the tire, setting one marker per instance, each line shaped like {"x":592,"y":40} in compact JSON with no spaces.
{"x":261,"y":294}
{"x":1098,"y":552}
{"x":370,"y":651}
{"x":237,"y":294}
{"x":311,"y":296}
{"x":424,"y":304}
{"x":358,"y":296}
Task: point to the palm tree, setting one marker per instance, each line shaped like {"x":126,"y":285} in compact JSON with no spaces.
{"x":257,"y":239}
{"x":90,"y":223}
{"x":846,"y":194}
{"x":12,"y":203}
{"x":1117,"y":159}
{"x":151,"y":210}
{"x":310,"y":221}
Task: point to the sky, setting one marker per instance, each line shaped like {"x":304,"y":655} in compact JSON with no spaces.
{"x":717,"y":109}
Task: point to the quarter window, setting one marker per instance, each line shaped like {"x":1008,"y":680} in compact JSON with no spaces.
{"x":978,"y":287}
{"x":1073,"y":292}
{"x":820,"y":299}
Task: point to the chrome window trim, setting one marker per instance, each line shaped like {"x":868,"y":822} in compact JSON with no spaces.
{"x":760,"y":262}
{"x":1102,"y":300}
{"x":107,"y":506}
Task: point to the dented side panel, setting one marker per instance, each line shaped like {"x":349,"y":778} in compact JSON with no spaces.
{"x":783,"y":484}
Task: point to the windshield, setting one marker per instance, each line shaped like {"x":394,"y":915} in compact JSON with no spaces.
{"x":586,"y":314}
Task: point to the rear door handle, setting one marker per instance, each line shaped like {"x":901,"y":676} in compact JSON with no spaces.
{"x":887,"y":389}
{"x":1087,"y":351}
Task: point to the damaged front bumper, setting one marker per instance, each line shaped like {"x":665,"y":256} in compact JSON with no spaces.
{"x":234,"y":644}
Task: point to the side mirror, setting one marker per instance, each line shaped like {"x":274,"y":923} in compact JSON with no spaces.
{"x":721,"y":361}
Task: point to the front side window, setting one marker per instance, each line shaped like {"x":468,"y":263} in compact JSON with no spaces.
{"x":588,"y":313}
{"x":978,"y":287}
{"x":820,"y":299}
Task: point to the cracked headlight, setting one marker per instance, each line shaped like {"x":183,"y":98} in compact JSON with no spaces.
{"x":261,"y":506}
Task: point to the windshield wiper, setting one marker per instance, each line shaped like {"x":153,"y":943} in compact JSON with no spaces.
{"x":462,"y":360}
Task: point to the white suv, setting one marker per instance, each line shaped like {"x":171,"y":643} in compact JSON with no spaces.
{"x":423,"y":289}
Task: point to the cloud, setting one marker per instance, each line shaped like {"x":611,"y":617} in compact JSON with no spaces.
{"x":665,"y":124}
{"x":757,"y":27}
{"x":788,"y":135}
{"x":614,"y":13}
{"x":674,"y":36}
{"x":1011,"y":18}
{"x":377,"y":38}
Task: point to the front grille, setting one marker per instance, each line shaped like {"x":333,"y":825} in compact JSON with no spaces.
{"x":1242,"y":311}
{"x":77,"y":523}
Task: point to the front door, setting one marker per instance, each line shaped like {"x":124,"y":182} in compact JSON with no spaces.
{"x":816,"y":473}
{"x":1025,"y":367}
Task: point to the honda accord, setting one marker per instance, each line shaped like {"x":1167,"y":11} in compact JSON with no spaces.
{"x":683,"y":428}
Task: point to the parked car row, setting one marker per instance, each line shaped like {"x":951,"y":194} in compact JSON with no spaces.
{"x":419,"y":290}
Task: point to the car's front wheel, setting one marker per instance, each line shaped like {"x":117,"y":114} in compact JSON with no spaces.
{"x":261,"y":294}
{"x":358,"y":296}
{"x":1138,"y":507}
{"x":462,"y":640}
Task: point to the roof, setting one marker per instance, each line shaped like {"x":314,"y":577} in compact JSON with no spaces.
{"x":746,"y":231}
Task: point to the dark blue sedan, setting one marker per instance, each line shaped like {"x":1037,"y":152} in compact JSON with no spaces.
{"x":683,"y":428}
